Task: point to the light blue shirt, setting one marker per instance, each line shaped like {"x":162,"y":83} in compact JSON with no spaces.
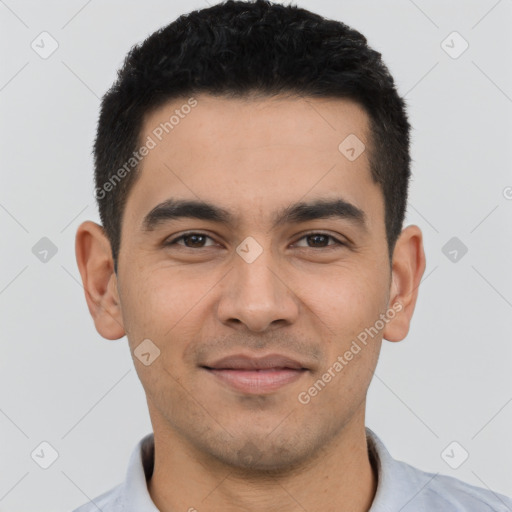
{"x":400,"y":487}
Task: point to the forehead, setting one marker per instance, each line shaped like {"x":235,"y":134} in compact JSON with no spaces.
{"x":254,"y":156}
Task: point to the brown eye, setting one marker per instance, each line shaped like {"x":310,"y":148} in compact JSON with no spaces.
{"x":319,"y":241}
{"x":191,"y":240}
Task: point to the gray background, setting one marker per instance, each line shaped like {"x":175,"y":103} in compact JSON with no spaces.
{"x":63,"y":384}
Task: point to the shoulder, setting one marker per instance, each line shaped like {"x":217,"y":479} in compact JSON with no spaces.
{"x":132,"y":493}
{"x":110,"y":501}
{"x":403,"y":487}
{"x":434,"y":491}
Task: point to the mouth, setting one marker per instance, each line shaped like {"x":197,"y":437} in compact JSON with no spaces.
{"x":253,"y":375}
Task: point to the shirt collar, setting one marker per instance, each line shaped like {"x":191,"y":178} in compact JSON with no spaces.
{"x":140,"y":469}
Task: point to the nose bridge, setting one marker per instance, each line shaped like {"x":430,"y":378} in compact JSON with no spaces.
{"x":254,"y":292}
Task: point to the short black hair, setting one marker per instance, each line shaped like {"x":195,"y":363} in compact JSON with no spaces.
{"x":237,"y":49}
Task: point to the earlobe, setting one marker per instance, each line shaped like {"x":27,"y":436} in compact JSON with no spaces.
{"x":407,"y":270}
{"x":96,"y":266}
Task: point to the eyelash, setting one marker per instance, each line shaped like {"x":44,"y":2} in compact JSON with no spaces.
{"x":190,"y":233}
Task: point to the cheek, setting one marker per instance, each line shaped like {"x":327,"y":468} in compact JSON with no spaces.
{"x":347,"y":299}
{"x":349,"y":304}
{"x":163,"y":306}
{"x":158,"y":307}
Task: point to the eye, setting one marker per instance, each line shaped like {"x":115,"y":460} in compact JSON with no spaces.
{"x":195,"y":240}
{"x":190,"y":240}
{"x":320,"y":240}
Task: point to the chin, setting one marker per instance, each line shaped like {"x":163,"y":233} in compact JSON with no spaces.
{"x":262,"y":456}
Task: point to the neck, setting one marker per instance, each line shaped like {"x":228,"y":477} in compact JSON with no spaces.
{"x":341,"y":478}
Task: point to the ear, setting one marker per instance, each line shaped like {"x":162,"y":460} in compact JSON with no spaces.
{"x":96,"y":266}
{"x":408,"y":266}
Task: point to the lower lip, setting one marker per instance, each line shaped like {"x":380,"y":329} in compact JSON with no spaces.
{"x":257,"y":381}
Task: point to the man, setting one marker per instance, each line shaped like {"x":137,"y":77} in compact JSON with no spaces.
{"x":252,"y":166}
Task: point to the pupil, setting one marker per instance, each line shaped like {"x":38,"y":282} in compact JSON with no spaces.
{"x":195,"y":237}
{"x":316,"y":237}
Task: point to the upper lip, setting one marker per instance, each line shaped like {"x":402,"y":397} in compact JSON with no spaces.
{"x":245,"y":362}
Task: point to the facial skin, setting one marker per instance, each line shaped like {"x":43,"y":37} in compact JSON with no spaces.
{"x":216,"y":447}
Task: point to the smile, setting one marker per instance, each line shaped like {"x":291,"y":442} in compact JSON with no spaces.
{"x":257,"y":381}
{"x":256,"y":375}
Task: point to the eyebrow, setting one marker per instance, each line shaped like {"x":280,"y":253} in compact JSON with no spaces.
{"x":173,"y":209}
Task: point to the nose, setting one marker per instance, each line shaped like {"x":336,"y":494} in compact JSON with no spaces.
{"x":257,"y":295}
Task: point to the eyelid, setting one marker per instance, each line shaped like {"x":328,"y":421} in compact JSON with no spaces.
{"x":328,"y":235}
{"x":337,"y":241}
{"x":173,"y":240}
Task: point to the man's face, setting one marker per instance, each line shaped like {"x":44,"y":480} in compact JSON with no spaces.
{"x":303,"y":288}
